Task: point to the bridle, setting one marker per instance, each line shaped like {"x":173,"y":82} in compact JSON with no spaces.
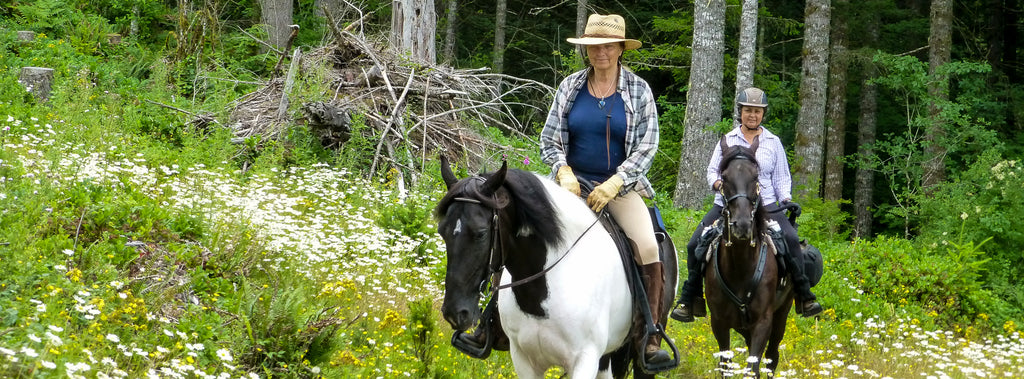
{"x":498,"y":255}
{"x":755,"y":201}
{"x":752,"y":285}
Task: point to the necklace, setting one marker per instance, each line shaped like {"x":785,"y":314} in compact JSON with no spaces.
{"x":609,"y":91}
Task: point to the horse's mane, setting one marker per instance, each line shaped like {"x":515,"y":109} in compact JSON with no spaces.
{"x":533,"y":205}
{"x":736,"y":151}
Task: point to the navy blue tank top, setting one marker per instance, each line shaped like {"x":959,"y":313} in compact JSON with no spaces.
{"x":596,"y":150}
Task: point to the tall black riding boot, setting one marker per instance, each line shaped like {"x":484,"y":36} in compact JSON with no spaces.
{"x":806,"y":303}
{"x":691,"y":298}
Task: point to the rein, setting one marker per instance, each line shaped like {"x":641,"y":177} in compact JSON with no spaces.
{"x":752,"y":285}
{"x":496,"y":264}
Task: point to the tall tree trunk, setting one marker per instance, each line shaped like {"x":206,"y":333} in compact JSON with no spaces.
{"x":703,"y":103}
{"x":939,"y":42}
{"x":581,"y":17}
{"x":835,"y":113}
{"x":449,"y":32}
{"x":413,"y":25}
{"x":810,"y":123}
{"x":277,"y":15}
{"x":748,"y":46}
{"x":499,"y":36}
{"x":864,"y":188}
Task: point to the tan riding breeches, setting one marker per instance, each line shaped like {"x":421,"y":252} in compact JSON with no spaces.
{"x":630,"y":212}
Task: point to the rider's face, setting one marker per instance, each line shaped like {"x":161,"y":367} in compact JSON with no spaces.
{"x":751,"y":116}
{"x":606,"y":56}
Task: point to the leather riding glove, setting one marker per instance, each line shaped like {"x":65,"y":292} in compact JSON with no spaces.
{"x":567,"y":179}
{"x":604,"y":193}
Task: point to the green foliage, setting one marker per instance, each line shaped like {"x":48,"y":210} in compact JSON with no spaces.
{"x":666,"y":162}
{"x":976,"y":207}
{"x":902,"y":154}
{"x":904,"y":274}
{"x":284,"y":327}
{"x":421,"y":326}
{"x":823,"y":220}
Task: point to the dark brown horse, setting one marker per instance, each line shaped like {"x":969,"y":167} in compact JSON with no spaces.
{"x":742,"y":283}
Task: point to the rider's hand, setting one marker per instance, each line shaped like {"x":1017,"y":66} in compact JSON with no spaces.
{"x":567,"y":179}
{"x":604,"y":193}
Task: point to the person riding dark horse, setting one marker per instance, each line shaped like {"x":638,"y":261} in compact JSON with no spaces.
{"x":775,"y":182}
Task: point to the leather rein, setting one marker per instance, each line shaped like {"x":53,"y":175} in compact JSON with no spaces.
{"x":751,"y":287}
{"x":496,"y":262}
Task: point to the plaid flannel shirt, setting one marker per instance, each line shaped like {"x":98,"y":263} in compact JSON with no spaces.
{"x":641,"y":128}
{"x":774,"y":177}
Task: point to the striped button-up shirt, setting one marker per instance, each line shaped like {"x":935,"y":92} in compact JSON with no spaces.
{"x":641,"y":128}
{"x":774,"y":178}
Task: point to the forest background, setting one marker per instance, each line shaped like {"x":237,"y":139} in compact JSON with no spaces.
{"x":909,"y":168}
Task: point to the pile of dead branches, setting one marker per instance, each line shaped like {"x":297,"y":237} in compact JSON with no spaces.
{"x":411,"y":109}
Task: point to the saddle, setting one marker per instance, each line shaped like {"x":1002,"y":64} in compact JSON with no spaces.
{"x":813,"y":266}
{"x":645,"y":323}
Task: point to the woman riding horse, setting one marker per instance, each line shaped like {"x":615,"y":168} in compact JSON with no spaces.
{"x":774,"y":180}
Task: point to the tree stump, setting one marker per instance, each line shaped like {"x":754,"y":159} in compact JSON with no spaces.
{"x":328,"y":122}
{"x":37,"y":80}
{"x":26,"y":35}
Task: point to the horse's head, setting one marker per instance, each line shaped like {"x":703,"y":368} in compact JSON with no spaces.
{"x":740,"y":190}
{"x":467,"y":221}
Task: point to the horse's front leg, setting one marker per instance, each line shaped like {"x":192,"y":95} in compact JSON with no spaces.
{"x":721,"y":331}
{"x":525,"y":367}
{"x":758,"y":338}
{"x":778,"y":332}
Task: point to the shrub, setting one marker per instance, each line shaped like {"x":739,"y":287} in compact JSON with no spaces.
{"x":976,"y":207}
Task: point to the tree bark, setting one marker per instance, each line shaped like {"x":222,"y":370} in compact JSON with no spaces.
{"x":748,"y":46}
{"x":703,"y":103}
{"x":38,"y":81}
{"x":413,"y":24}
{"x":835,"y":113}
{"x":277,"y":15}
{"x":810,"y":124}
{"x":581,"y":22}
{"x":939,"y":42}
{"x":581,"y":17}
{"x":864,"y":187}
{"x":448,"y":56}
{"x":501,"y":8}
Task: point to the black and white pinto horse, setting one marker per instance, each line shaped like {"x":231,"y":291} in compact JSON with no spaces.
{"x":570,"y":305}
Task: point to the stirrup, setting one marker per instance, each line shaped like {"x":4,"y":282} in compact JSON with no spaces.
{"x":463,"y":342}
{"x":657,"y":363}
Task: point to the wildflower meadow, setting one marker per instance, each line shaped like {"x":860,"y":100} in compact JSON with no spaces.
{"x":123,"y":260}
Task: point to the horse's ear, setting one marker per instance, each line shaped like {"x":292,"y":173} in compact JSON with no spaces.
{"x":723,"y":145}
{"x":495,"y":180}
{"x":446,"y":173}
{"x":753,"y":146}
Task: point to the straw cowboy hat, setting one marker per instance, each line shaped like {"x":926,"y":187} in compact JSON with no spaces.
{"x":602,"y":29}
